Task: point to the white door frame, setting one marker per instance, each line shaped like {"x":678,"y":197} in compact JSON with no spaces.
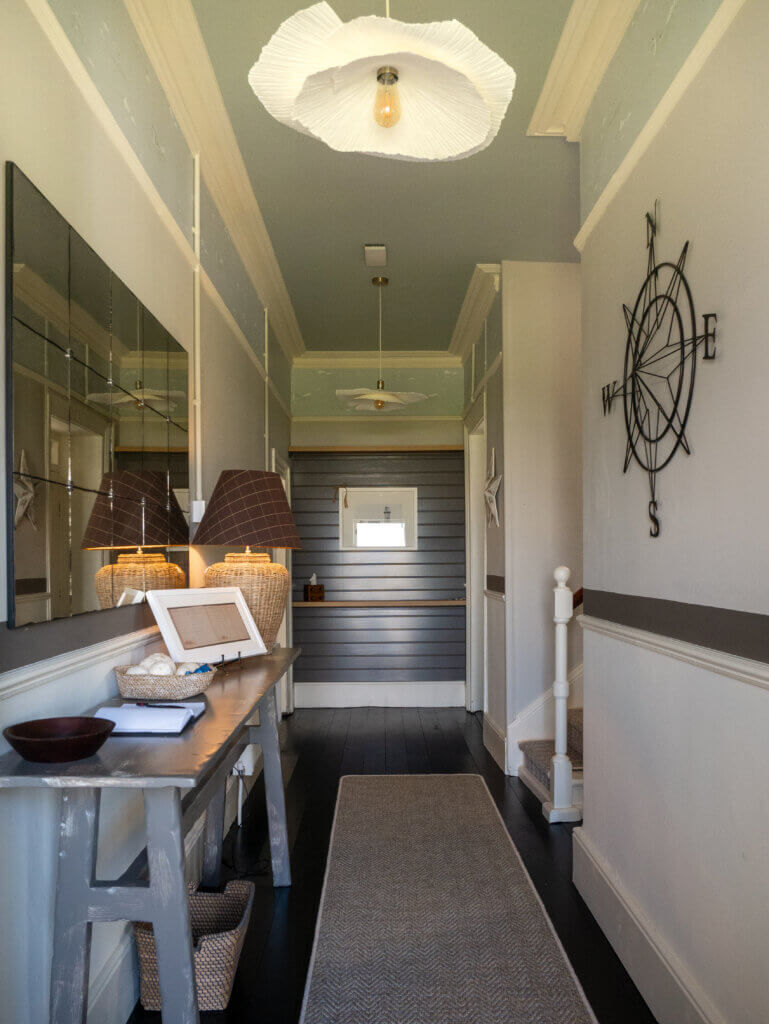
{"x":283,"y":557}
{"x":475,"y":564}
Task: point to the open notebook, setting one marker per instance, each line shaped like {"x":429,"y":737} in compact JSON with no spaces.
{"x":165,"y":718}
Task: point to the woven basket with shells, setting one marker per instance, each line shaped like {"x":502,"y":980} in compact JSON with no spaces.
{"x":158,"y":677}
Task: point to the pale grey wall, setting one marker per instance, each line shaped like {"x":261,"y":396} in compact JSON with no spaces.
{"x":657,"y":42}
{"x":667,"y":742}
{"x":543,"y":517}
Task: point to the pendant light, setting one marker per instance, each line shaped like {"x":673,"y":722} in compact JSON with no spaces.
{"x":378,"y":399}
{"x":384,"y":87}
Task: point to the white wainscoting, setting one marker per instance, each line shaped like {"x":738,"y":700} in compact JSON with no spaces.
{"x":494,"y":741}
{"x":672,"y":993}
{"x":380,"y":695}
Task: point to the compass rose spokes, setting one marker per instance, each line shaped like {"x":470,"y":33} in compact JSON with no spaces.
{"x":660,"y":363}
{"x":659,"y":368}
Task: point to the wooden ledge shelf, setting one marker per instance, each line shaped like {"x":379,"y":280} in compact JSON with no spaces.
{"x":459,"y":603}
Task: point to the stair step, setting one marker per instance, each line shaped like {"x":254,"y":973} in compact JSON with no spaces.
{"x":574,"y":729}
{"x":537,"y":755}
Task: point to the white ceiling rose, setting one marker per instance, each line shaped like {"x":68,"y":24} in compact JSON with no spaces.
{"x":318,"y":75}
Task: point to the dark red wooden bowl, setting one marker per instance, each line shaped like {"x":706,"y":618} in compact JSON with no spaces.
{"x":58,"y":739}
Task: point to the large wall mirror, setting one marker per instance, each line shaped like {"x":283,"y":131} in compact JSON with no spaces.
{"x":97,"y":426}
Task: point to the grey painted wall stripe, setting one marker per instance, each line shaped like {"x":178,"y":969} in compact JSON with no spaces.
{"x":380,"y":644}
{"x":745,"y":634}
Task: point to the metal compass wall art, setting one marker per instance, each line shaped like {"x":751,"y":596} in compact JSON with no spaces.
{"x":660,"y":363}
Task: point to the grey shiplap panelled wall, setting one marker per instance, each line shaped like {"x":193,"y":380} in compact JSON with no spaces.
{"x":381,"y":644}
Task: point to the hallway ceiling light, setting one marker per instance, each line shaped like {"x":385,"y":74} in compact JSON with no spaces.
{"x":377,"y":399}
{"x":374,"y":85}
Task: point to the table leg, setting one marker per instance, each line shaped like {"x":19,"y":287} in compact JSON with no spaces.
{"x":213,"y":836}
{"x":273,"y":782}
{"x":171,"y":919}
{"x":78,"y":832}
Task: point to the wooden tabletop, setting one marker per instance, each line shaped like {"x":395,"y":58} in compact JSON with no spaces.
{"x":154,"y":761}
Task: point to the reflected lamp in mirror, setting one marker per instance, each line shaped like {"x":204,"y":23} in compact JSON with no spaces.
{"x":249,"y":508}
{"x":136,"y":510}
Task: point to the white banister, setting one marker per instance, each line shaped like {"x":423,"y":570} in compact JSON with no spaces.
{"x":560,"y":806}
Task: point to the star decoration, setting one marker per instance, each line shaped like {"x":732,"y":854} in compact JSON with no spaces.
{"x":490,"y":492}
{"x":24,"y":488}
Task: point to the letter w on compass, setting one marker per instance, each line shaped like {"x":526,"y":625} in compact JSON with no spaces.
{"x":660,"y":363}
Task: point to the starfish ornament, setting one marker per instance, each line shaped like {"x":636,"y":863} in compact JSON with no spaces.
{"x":24,"y":488}
{"x":490,"y":492}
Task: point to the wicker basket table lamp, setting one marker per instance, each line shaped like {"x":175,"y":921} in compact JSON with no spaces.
{"x":135,"y":510}
{"x":249,"y":508}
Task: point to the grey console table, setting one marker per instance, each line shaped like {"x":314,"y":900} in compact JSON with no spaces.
{"x":153,"y":888}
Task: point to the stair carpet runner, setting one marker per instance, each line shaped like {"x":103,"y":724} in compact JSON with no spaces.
{"x":537,"y":754}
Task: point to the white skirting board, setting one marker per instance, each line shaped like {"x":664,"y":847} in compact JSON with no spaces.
{"x":494,"y":741}
{"x":673,"y":995}
{"x":380,"y":695}
{"x":537,"y":720}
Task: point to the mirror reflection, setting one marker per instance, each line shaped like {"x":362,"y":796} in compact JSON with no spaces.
{"x":99,"y":442}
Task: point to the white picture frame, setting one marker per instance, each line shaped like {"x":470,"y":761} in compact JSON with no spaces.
{"x":362,"y":504}
{"x":181,"y":614}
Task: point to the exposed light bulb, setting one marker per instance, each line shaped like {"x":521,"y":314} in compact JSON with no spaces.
{"x":387,"y":105}
{"x":379,"y":404}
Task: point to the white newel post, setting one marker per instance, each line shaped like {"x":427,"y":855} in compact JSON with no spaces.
{"x":560,"y":807}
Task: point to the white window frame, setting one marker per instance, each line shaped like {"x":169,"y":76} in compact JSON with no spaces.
{"x":412,"y":524}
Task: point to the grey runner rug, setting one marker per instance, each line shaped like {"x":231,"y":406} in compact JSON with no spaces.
{"x":428,"y":915}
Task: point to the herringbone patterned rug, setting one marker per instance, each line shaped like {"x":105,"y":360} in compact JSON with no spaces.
{"x":428,"y":915}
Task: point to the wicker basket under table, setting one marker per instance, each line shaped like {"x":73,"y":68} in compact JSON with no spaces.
{"x":219,"y":922}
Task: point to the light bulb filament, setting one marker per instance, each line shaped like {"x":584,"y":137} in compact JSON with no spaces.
{"x":387,"y":104}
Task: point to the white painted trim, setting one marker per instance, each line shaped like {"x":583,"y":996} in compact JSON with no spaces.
{"x":494,"y":741}
{"x":691,"y":67}
{"x":174,"y":43}
{"x":537,"y":721}
{"x":342,"y":360}
{"x":590,"y":37}
{"x":67,"y":54}
{"x":380,"y":695}
{"x":481,"y":292}
{"x":376,"y":417}
{"x":744,"y":670}
{"x":671,"y":991}
{"x":27,"y":677}
{"x":532,"y":783}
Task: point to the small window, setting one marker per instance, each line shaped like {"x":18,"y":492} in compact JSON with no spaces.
{"x":381,"y":519}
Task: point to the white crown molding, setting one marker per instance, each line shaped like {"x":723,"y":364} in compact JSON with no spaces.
{"x":744,"y":670}
{"x":590,"y":37}
{"x":483,"y":288}
{"x":27,"y":677}
{"x":67,"y":54}
{"x":689,"y":70}
{"x":343,"y":360}
{"x":171,"y":36}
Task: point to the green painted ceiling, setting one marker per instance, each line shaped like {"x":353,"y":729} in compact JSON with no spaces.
{"x":518,"y":199}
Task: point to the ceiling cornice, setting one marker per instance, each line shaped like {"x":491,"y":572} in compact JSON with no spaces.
{"x":590,"y":37}
{"x":341,"y":360}
{"x":483,"y":287}
{"x":170,"y":34}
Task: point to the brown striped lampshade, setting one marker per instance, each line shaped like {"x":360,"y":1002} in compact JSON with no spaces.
{"x":135,"y":510}
{"x":249,"y":508}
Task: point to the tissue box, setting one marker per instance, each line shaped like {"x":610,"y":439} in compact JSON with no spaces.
{"x":314,"y":592}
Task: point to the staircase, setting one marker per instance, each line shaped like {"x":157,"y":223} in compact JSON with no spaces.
{"x":538,"y":756}
{"x":552,"y":769}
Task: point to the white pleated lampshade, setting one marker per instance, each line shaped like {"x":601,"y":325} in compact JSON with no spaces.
{"x":319,"y":75}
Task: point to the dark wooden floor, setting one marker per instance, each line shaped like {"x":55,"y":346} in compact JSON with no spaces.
{"x":320,"y":746}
